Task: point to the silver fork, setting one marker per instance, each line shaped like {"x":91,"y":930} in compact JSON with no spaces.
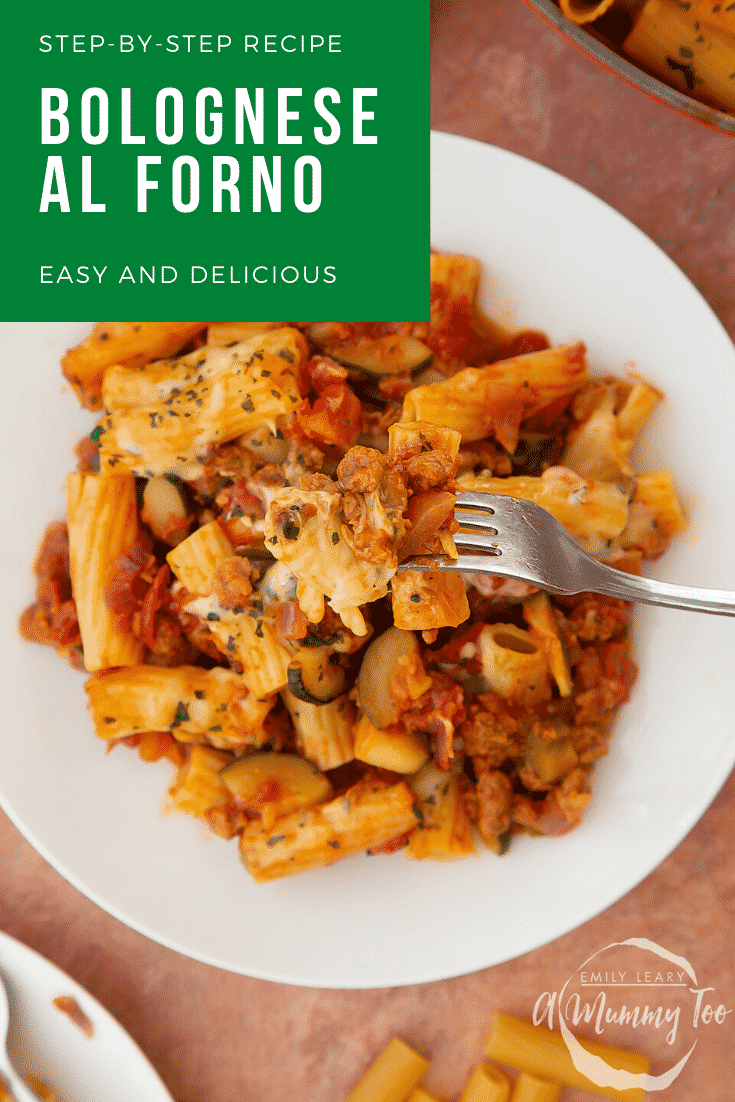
{"x":513,"y":538}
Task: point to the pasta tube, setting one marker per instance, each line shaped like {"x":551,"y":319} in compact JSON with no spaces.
{"x":123,"y":389}
{"x":412,"y":437}
{"x":324,"y":732}
{"x":492,"y":401}
{"x":102,"y":523}
{"x":248,"y":385}
{"x":514,"y":664}
{"x":198,"y":789}
{"x":196,"y":558}
{"x":486,"y":1084}
{"x":600,"y":446}
{"x":457,"y":275}
{"x":638,"y":406}
{"x":424,"y":599}
{"x":420,"y":1095}
{"x":654,"y":516}
{"x":595,"y":513}
{"x":581,"y":12}
{"x":539,"y":615}
{"x":656,"y":491}
{"x":720,"y":13}
{"x":242,"y":633}
{"x":366,"y":816}
{"x":220,"y":334}
{"x":130,"y":343}
{"x":542,"y":1051}
{"x":190,"y":702}
{"x":444,"y":833}
{"x":253,"y":641}
{"x":696,"y":58}
{"x":421,"y":600}
{"x":392,"y":1076}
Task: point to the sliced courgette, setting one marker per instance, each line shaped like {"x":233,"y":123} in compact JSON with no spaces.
{"x":287,"y":781}
{"x":391,"y":355}
{"x":383,"y":658}
{"x":313,"y":678}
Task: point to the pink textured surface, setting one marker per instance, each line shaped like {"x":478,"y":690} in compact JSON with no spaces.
{"x":501,"y":75}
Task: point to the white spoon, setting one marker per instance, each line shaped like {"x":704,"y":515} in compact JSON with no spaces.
{"x":20,"y":1091}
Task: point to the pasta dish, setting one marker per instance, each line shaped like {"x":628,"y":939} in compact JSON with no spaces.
{"x":688,"y":45}
{"x":227,"y":574}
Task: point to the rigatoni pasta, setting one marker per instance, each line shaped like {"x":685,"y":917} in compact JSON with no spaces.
{"x":543,"y":1052}
{"x":392,"y":1075}
{"x":102,"y":523}
{"x":228,"y":575}
{"x":690,"y":46}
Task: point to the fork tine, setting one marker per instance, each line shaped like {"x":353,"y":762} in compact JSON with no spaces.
{"x":465,"y":564}
{"x":483,"y":522}
{"x":470,"y":499}
{"x":476,"y":541}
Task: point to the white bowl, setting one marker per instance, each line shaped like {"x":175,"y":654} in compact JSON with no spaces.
{"x":558,"y":259}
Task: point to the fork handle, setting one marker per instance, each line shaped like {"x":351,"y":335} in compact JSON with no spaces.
{"x":629,"y":587}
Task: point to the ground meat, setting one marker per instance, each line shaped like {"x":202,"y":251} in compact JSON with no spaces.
{"x":232,"y":582}
{"x":494,"y":802}
{"x":318,"y":373}
{"x":202,"y":639}
{"x":197,"y":633}
{"x":170,"y":645}
{"x":438,"y":712}
{"x":376,"y":422}
{"x":131,"y":575}
{"x":231,"y":460}
{"x":237,"y":501}
{"x":396,"y":387}
{"x":430,"y":470}
{"x":559,"y":811}
{"x":317,"y":482}
{"x":52,"y":619}
{"x":265,"y":481}
{"x":303,"y":458}
{"x":88,"y":456}
{"x":361,"y":470}
{"x":491,"y":734}
{"x":333,"y":418}
{"x":207,"y":486}
{"x":589,"y":742}
{"x":604,"y":676}
{"x":374,"y":517}
{"x":594,"y":618}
